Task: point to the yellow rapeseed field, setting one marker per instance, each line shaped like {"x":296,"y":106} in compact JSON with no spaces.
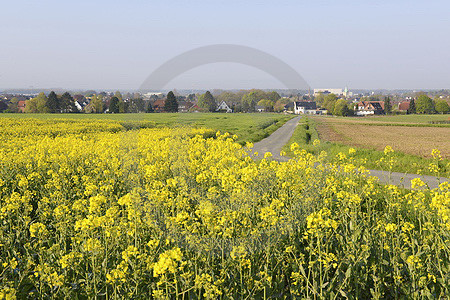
{"x":91,"y":210}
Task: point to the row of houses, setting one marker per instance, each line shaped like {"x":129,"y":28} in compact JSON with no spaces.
{"x":189,"y":106}
{"x":362,"y":108}
{"x":366,"y":108}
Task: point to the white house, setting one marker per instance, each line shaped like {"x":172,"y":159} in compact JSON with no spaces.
{"x":78,"y":106}
{"x":305,"y":107}
{"x":365,"y":108}
{"x":223,"y":106}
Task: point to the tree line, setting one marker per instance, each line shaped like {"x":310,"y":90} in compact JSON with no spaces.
{"x":423,"y":104}
{"x":243,"y":101}
{"x":426,"y":105}
{"x":65,"y":103}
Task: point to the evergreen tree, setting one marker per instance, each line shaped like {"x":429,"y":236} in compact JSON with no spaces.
{"x":412,"y":107}
{"x":207,"y":102}
{"x":53,"y":103}
{"x":67,"y":103}
{"x":114,"y":105}
{"x":387,"y":105}
{"x":171,"y":104}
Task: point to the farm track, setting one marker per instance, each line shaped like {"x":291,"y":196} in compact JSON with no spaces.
{"x":275,"y":142}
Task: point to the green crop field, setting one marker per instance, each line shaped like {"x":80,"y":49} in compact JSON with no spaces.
{"x":247,"y":126}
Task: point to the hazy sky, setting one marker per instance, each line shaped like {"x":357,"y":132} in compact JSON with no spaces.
{"x":331,"y":43}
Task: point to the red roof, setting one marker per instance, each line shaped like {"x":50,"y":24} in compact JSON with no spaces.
{"x":158,"y":105}
{"x":371,"y":105}
{"x":21,"y":105}
{"x":403,"y":105}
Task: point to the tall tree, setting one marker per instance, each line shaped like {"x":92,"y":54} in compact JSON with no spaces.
{"x":171,"y":104}
{"x":329,"y":102}
{"x":320,"y":99}
{"x":114,"y":105}
{"x":118,"y":95}
{"x":137,"y":105}
{"x":53,"y":103}
{"x":207,"y":102}
{"x":273,"y":96}
{"x":250,"y":100}
{"x":341,"y":108}
{"x":424,"y":105}
{"x":37,"y":104}
{"x":229,"y":98}
{"x":267,"y":104}
{"x":441,"y":106}
{"x":13,"y":105}
{"x":68,"y":103}
{"x":96,"y":105}
{"x":412,"y":107}
{"x":387,"y":105}
{"x":279,"y":105}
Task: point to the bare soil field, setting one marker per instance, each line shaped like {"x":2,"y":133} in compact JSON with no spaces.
{"x":412,"y":140}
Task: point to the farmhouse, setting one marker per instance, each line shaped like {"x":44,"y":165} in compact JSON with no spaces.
{"x":305,"y":107}
{"x":223,"y":106}
{"x":158,"y":105}
{"x":184,"y":106}
{"x":403,"y":106}
{"x":365,"y":108}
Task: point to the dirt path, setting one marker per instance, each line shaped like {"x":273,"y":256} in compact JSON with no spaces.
{"x":275,"y":142}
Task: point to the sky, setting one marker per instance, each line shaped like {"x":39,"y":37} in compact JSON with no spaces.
{"x":115,"y":45}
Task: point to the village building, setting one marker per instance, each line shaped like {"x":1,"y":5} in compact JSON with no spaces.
{"x":289,"y":107}
{"x":79,"y":105}
{"x":305,"y":107}
{"x":366,"y":108}
{"x":158,"y":105}
{"x":21,"y":106}
{"x":223,"y":107}
{"x":184,"y":106}
{"x":403,"y":106}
